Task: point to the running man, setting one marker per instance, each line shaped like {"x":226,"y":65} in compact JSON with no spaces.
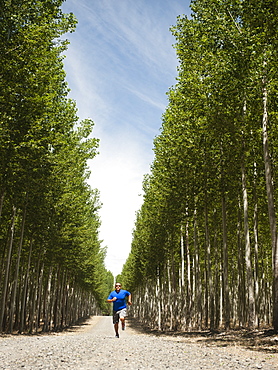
{"x":118,"y":297}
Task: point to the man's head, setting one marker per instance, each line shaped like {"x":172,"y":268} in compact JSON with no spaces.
{"x":118,"y":286}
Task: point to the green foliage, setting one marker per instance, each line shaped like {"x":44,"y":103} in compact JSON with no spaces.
{"x":44,"y":151}
{"x":210,"y":129}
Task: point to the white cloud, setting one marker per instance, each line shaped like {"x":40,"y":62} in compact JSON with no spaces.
{"x":120,"y":64}
{"x":118,"y":174}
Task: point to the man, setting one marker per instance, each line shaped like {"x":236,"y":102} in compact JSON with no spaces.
{"x":118,"y":297}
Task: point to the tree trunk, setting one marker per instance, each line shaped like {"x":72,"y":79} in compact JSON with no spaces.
{"x":256,"y":251}
{"x":271,"y":207}
{"x":39,"y":300}
{"x":46,"y":303}
{"x":226,"y":299}
{"x":189,"y":281}
{"x":12,"y":308}
{"x":170,"y":303}
{"x":241,"y":285}
{"x":7,"y":272}
{"x":2,"y":197}
{"x":24,"y":296}
{"x":182,"y":259}
{"x":198,"y":279}
{"x":249,"y":274}
{"x":158,"y":301}
{"x":209,"y":274}
{"x":217,"y":277}
{"x":34,"y":298}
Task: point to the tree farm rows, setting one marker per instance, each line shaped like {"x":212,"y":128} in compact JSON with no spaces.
{"x":204,"y":251}
{"x":52,"y":263}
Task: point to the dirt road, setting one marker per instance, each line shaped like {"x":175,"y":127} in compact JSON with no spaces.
{"x":94,"y":346}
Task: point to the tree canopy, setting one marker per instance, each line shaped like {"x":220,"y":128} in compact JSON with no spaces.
{"x":205,"y":242}
{"x":52,"y":261}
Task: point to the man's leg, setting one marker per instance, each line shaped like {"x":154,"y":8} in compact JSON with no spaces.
{"x":116,"y":323}
{"x":122,"y":318}
{"x":116,"y":326}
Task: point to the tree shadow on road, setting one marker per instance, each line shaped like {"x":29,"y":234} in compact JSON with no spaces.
{"x":264,"y":340}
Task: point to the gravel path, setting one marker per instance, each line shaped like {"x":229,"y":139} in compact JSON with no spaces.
{"x":94,"y":346}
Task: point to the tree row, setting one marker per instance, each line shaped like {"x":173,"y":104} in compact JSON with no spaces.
{"x":204,"y":251}
{"x":51,"y":263}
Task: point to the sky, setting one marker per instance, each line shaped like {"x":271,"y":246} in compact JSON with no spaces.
{"x":120,"y":64}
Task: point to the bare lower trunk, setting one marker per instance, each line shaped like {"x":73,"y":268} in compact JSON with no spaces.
{"x":198,"y":283}
{"x":12,"y":308}
{"x":34,"y":299}
{"x":217,"y":277}
{"x":241,"y":272}
{"x":189,"y":281}
{"x":210,"y":300}
{"x":249,"y":274}
{"x":7,"y":272}
{"x":158,"y":302}
{"x":226,"y":298}
{"x":39,"y":303}
{"x":256,"y":252}
{"x":182,"y":259}
{"x":24,"y":296}
{"x":46,"y":303}
{"x":271,"y":207}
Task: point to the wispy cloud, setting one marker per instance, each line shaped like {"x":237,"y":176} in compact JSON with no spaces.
{"x":134,"y":28}
{"x":120,"y":64}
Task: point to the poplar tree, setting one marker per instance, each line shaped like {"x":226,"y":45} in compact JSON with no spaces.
{"x":52,"y":262}
{"x":208,"y":197}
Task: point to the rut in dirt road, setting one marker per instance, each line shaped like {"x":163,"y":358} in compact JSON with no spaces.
{"x":94,"y":346}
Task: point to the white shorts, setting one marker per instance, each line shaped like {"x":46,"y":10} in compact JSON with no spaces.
{"x":118,"y":314}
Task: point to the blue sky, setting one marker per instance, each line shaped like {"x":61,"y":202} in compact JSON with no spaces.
{"x":120,"y":64}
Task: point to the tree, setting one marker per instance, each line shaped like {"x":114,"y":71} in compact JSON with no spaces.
{"x":207,"y":176}
{"x":51,"y":256}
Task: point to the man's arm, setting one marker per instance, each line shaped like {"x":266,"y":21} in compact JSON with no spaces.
{"x":112,"y":299}
{"x":129,"y":300}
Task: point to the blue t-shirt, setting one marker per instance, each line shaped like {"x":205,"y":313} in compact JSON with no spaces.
{"x":120,"y":303}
